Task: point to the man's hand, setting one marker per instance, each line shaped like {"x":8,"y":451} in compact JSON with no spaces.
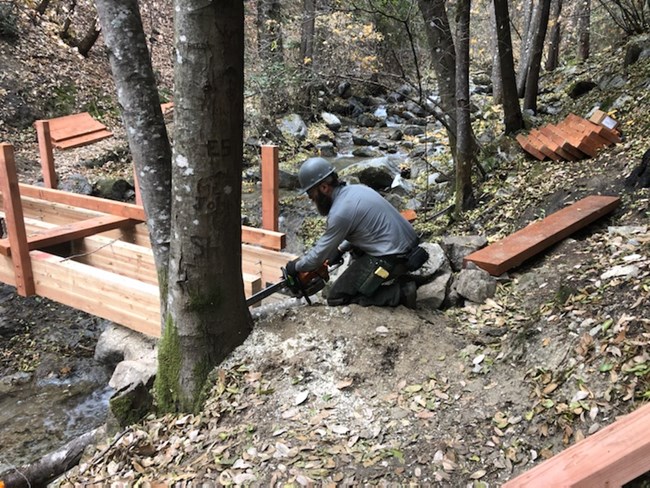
{"x":291,"y":268}
{"x":336,"y":258}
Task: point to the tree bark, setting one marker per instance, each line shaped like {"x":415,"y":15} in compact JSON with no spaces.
{"x":207,"y":314}
{"x":497,"y":83}
{"x":443,"y":58}
{"x":307,"y":31}
{"x":142,"y":116}
{"x":511,"y":110}
{"x":88,"y":41}
{"x":553,"y":56}
{"x":50,"y":466}
{"x":465,"y":142}
{"x":584,"y":19}
{"x":537,"y":48}
{"x":526,"y":39}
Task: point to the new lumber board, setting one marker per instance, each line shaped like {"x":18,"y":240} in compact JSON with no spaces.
{"x":546,"y":145}
{"x":83,"y":140}
{"x":608,"y":135}
{"x":576,"y":139}
{"x":528,"y":147}
{"x":114,"y":297}
{"x":553,"y":144}
{"x":561,"y":140}
{"x":514,"y":249}
{"x":609,"y":458}
{"x":541,"y":147}
{"x":85,"y":126}
{"x":69,"y":232}
{"x":262,"y":237}
{"x":84,"y":201}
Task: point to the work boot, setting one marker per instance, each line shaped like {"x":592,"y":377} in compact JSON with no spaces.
{"x":408,"y":294}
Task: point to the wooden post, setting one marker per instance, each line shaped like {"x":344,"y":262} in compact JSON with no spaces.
{"x":47,"y":155}
{"x":15,"y":222}
{"x":136,"y":185}
{"x":270,"y":188}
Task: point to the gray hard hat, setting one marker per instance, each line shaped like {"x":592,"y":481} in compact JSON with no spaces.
{"x":312,"y":172}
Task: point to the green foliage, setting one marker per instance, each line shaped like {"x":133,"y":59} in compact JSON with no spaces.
{"x":101,"y":106}
{"x":166,"y":386}
{"x":63,"y":100}
{"x":8,"y":21}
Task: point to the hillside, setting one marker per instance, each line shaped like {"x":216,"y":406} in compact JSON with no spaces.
{"x":468,"y":396}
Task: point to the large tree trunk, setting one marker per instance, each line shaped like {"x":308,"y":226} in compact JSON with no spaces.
{"x":207,"y":314}
{"x":512,"y":112}
{"x":443,"y":58}
{"x":307,"y":31}
{"x":145,"y":128}
{"x":537,"y":49}
{"x":584,"y":19}
{"x":524,"y":51}
{"x":465,"y":141}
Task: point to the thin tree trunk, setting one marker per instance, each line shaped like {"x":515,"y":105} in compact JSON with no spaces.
{"x":143,"y":120}
{"x":524,"y":51}
{"x":50,"y":466}
{"x":207,"y":314}
{"x":497,"y":83}
{"x":512,"y":112}
{"x":553,"y":56}
{"x":537,"y":47}
{"x":307,"y":31}
{"x":465,"y":142}
{"x":443,"y":58}
{"x":584,"y":19}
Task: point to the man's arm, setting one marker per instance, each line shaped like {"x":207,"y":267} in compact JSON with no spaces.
{"x":333,"y":237}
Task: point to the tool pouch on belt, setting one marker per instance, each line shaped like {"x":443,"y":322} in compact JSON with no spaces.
{"x":380,"y":273}
{"x":416,"y":258}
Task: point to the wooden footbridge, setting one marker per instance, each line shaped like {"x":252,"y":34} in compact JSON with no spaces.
{"x":95,"y":255}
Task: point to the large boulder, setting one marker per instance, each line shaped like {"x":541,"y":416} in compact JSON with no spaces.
{"x":475,"y":285}
{"x":293,"y":127}
{"x":457,"y":247}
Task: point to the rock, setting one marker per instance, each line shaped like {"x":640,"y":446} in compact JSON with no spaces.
{"x":580,"y":88}
{"x":397,"y":135}
{"x":432,"y":295}
{"x":117,"y":343}
{"x":632,"y":53}
{"x":476,"y":285}
{"x":76,"y":183}
{"x":413,"y":130}
{"x":629,"y":271}
{"x":457,"y":247}
{"x":332,"y":122}
{"x":288,"y":181}
{"x":360,"y":141}
{"x":415,"y":109}
{"x":293,"y":127}
{"x":368,"y":120}
{"x":130,"y":405}
{"x":621,"y":101}
{"x":366,"y":152}
{"x":114,"y":189}
{"x":377,"y":173}
{"x":344,"y":89}
{"x":437,"y":263}
{"x":133,"y":372}
{"x":326,"y":150}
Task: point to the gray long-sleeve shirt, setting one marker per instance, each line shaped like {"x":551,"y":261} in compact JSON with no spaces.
{"x":362,"y":217}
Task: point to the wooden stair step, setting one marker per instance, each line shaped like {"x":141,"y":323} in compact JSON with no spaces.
{"x":564,"y":144}
{"x":558,"y":152}
{"x":528,"y":147}
{"x":83,"y":140}
{"x":513,"y":250}
{"x":609,"y":135}
{"x":86,"y":126}
{"x":586,"y":131}
{"x":577,"y":139}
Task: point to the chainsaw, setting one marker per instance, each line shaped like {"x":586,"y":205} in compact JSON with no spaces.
{"x":305,"y":284}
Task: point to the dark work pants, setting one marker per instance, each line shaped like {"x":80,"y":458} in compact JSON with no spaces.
{"x":348,"y":288}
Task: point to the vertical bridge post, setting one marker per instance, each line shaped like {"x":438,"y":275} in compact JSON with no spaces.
{"x":270,"y":188}
{"x":15,"y":222}
{"x":47,"y":154}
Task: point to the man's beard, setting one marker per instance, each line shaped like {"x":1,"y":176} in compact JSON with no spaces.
{"x":323,"y":203}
